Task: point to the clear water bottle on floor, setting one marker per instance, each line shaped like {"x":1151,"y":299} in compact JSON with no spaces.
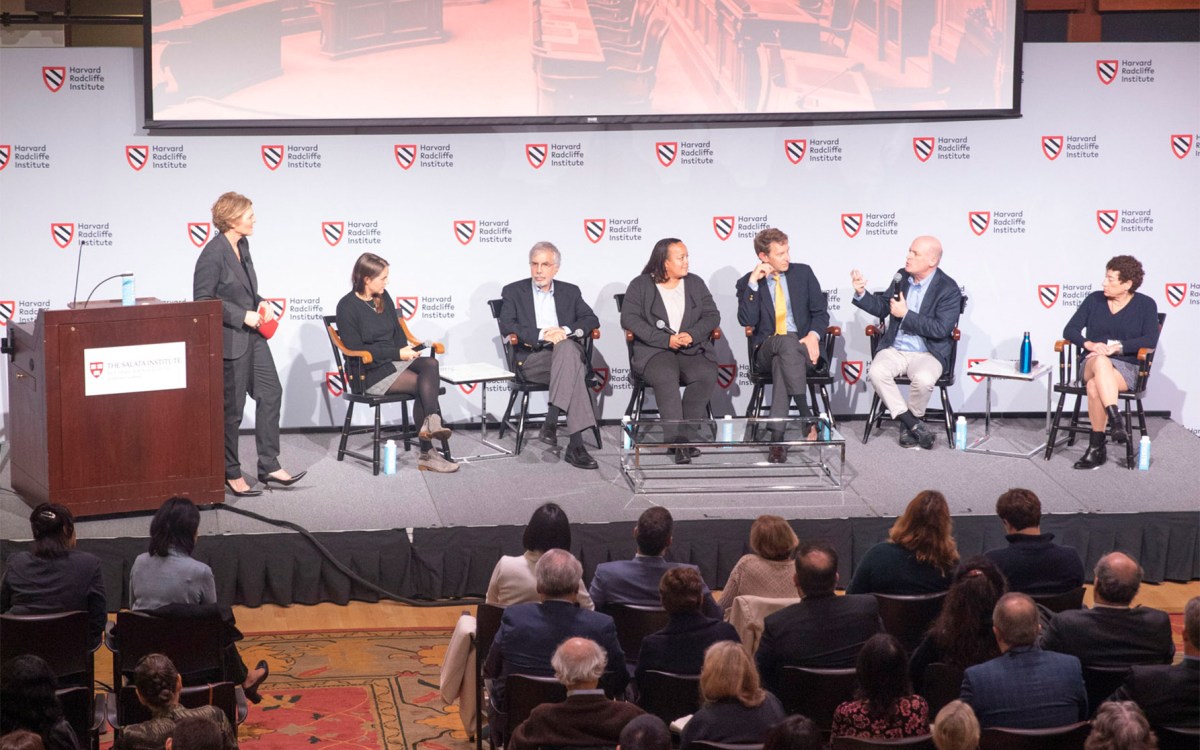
{"x":389,"y":457}
{"x":960,"y":434}
{"x":1144,"y":453}
{"x":727,"y":429}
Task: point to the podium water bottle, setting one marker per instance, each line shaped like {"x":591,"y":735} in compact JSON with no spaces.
{"x":1026,"y":355}
{"x":825,"y":433}
{"x":389,"y":457}
{"x":1144,"y":453}
{"x":626,"y":436}
{"x":128,"y":295}
{"x":960,"y":434}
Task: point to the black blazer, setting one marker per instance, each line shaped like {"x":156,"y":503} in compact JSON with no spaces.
{"x":825,"y":632}
{"x":1169,"y":695}
{"x":1111,"y":636}
{"x":936,"y":321}
{"x":643,"y":307}
{"x":517,"y":314}
{"x":220,"y":276}
{"x":756,"y":307}
{"x":680,"y":646}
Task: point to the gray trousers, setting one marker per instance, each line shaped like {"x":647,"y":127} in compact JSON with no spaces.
{"x":253,"y":373}
{"x":787,"y":361}
{"x":922,"y":368}
{"x":563,"y":370}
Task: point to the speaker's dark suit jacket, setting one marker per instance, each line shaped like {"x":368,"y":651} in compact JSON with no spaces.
{"x":756,"y":307}
{"x":940,"y":309}
{"x":643,"y":308}
{"x":579,"y":721}
{"x":517,"y":314}
{"x":1112,"y":636}
{"x":1168,"y":695}
{"x":636,"y":582}
{"x":825,"y":632}
{"x":1026,"y":688}
{"x":220,"y":276}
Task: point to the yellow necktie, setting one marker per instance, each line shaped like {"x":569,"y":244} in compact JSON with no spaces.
{"x":780,"y":307}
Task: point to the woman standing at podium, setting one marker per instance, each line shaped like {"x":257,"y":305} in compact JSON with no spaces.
{"x":225,"y":272}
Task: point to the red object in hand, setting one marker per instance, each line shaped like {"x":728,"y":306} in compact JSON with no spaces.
{"x":268,"y":327}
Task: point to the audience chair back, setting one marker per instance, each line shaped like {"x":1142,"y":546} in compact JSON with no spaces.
{"x":1101,"y":682}
{"x":223,"y":695}
{"x":922,"y":742}
{"x":487,"y":622}
{"x":1061,"y":602}
{"x":634,"y":622}
{"x":815,"y":693}
{"x":908,"y":617}
{"x":526,"y":692}
{"x":941,"y":684}
{"x":1177,"y":738}
{"x":84,"y":712}
{"x":819,"y":377}
{"x":1069,"y":737}
{"x":668,"y":695}
{"x":194,"y":645}
{"x":61,"y":639}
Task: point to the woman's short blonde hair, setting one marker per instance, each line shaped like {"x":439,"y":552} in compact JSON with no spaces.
{"x":228,"y":208}
{"x":772,"y":538}
{"x":729,"y":673}
{"x":956,"y":727}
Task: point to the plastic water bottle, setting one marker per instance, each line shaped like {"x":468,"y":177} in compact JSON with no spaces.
{"x":1144,"y":453}
{"x":389,"y":457}
{"x":626,"y":436}
{"x":128,"y":295}
{"x":727,"y":429}
{"x":960,"y":434}
{"x":824,"y":429}
{"x":1026,"y":355}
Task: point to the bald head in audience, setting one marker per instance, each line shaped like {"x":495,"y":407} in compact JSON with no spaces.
{"x":816,"y":569}
{"x":1118,"y":578}
{"x":1015,"y":621}
{"x":558,"y":574}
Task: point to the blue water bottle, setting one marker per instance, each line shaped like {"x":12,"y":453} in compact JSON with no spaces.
{"x":128,"y":295}
{"x":1026,"y":355}
{"x":960,"y":433}
{"x":1144,"y":453}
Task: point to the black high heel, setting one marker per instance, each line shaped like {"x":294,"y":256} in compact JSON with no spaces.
{"x":268,"y":480}
{"x":251,"y":692}
{"x":237,"y":493}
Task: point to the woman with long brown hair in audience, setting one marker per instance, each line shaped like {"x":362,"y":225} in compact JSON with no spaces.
{"x":768,"y":570}
{"x":736,"y":709}
{"x":885,"y":707}
{"x":961,"y":636}
{"x":918,"y":556}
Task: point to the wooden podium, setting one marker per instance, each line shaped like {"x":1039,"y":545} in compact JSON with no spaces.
{"x":113,"y":451}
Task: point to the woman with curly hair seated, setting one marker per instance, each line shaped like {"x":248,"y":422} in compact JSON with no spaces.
{"x":961,"y":636}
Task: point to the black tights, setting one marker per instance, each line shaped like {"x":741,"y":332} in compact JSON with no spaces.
{"x":421,"y":379}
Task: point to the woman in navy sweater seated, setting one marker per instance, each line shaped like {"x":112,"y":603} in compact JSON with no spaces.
{"x":1117,"y":322}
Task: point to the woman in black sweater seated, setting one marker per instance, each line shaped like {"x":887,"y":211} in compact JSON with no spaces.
{"x":1112,"y":324}
{"x":736,"y":709}
{"x":366,"y":320}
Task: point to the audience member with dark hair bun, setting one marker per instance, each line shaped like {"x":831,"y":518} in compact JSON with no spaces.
{"x":885,"y":707}
{"x":961,"y":636}
{"x":735,"y":707}
{"x":158,"y":687}
{"x":767,"y":571}
{"x":27,"y":701}
{"x":53,"y":576}
{"x":513,"y":580}
{"x":796,"y":732}
{"x":918,"y":556}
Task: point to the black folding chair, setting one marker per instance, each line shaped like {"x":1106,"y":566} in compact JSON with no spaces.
{"x":1069,"y":737}
{"x":907,"y":617}
{"x":668,"y":695}
{"x":815,"y":693}
{"x":941,"y":684}
{"x":524,"y":693}
{"x":634,"y":622}
{"x":487,"y":622}
{"x":1062,"y":601}
{"x":923,"y":742}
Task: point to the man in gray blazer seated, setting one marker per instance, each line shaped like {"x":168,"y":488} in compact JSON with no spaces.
{"x":545,"y":314}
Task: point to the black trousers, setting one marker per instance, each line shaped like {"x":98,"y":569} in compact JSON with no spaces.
{"x":253,"y":374}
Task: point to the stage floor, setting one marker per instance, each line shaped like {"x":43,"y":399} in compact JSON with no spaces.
{"x":879,"y":479}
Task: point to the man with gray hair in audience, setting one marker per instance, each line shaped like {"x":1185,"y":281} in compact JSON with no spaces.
{"x":529,"y":634}
{"x":1112,"y":633}
{"x":1170,"y":694}
{"x":1024,"y":687}
{"x":586,"y":718}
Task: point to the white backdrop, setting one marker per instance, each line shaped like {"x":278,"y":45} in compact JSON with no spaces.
{"x":1025,"y":234}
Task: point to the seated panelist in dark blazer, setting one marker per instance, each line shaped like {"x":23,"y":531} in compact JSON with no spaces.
{"x":671,"y":315}
{"x":547,"y":316}
{"x":922,"y":305}
{"x":225,"y":272}
{"x":788,"y":327}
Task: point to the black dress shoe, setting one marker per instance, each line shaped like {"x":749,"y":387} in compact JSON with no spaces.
{"x":777,"y":454}
{"x":247,"y":493}
{"x":918,"y":435}
{"x":693,"y":452}
{"x":1096,"y":454}
{"x":682,"y":455}
{"x":580,"y":458}
{"x":251,"y":692}
{"x":269,"y":480}
{"x":549,"y":433}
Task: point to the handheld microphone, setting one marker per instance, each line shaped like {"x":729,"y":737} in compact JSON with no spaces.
{"x":78,"y":261}
{"x":896,"y":285}
{"x":110,"y":278}
{"x":662,"y":326}
{"x":577,"y":334}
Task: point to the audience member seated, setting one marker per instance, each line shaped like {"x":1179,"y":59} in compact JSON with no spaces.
{"x":767,"y":571}
{"x":956,"y":727}
{"x":885,"y":707}
{"x":586,"y":718}
{"x":821,"y":630}
{"x":1169,"y":695}
{"x":158,"y":686}
{"x":1120,"y":726}
{"x":195,"y":733}
{"x":961,"y":636}
{"x":680,"y":646}
{"x":636,"y":581}
{"x":167,"y":581}
{"x":1112,"y":633}
{"x":22,"y":739}
{"x":1032,"y":563}
{"x":796,"y":732}
{"x":513,"y":581}
{"x":53,"y":576}
{"x":1025,"y":687}
{"x":918,"y":556}
{"x":735,"y":708}
{"x":646,"y":732}
{"x":27,"y":701}
{"x":529,"y":634}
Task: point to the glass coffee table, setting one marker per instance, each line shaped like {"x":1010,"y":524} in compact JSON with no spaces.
{"x":733,"y":455}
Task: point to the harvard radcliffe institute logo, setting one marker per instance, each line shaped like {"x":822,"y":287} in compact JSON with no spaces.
{"x":334,"y":384}
{"x":535,"y":154}
{"x":593,"y":229}
{"x":726,"y":374}
{"x":53,"y":76}
{"x":333,"y":231}
{"x":1106,"y":70}
{"x":666,"y":152}
{"x":851,"y":224}
{"x":198,"y":232}
{"x":137,"y":156}
{"x":1107,"y":220}
{"x":1176,"y":294}
{"x":272,"y":156}
{"x":406,"y":154}
{"x":971,"y":363}
{"x":407,"y":306}
{"x":464,"y":231}
{"x":795,"y":148}
{"x":1048,"y":294}
{"x":923,"y":147}
{"x":852,"y":370}
{"x":8,"y":308}
{"x":723,"y":226}
{"x":1181,"y":146}
{"x":1052,"y":146}
{"x":979,"y":220}
{"x":5,"y":154}
{"x":468,"y":388}
{"x":62,"y":233}
{"x":600,"y":382}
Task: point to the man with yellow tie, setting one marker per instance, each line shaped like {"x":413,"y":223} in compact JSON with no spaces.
{"x":784,"y":303}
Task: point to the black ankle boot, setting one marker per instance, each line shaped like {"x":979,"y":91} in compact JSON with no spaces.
{"x":1095,"y":455}
{"x":1116,"y":424}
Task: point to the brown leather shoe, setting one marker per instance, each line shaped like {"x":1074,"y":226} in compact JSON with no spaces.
{"x":777,"y":454}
